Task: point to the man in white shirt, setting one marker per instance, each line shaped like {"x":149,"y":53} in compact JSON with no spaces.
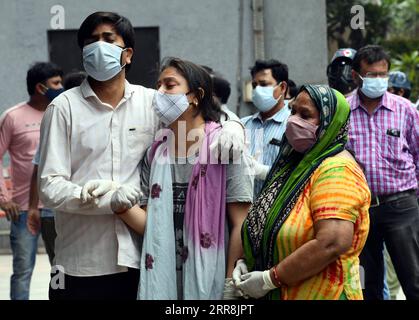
{"x":99,"y":131}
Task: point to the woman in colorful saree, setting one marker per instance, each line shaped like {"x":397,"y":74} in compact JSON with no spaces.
{"x":304,"y":233}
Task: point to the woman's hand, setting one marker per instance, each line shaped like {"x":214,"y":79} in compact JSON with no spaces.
{"x":230,"y":142}
{"x":256,"y":284}
{"x":125,"y":198}
{"x":231,"y":292}
{"x":260,"y":170}
{"x":239,"y":270}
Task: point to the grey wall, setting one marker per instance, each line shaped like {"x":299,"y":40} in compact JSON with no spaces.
{"x":204,"y":31}
{"x":296,"y":33}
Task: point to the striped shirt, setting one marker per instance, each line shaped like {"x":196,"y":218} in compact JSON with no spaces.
{"x":259,"y":135}
{"x":386,"y":143}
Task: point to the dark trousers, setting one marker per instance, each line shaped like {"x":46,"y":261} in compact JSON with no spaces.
{"x":48,"y":235}
{"x":118,"y":286}
{"x":397,"y":224}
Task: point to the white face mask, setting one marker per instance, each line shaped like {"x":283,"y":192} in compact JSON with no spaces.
{"x":374,"y":87}
{"x":263,"y":98}
{"x":169,"y":107}
{"x":102,"y":60}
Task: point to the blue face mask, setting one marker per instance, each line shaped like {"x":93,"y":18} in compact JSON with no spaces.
{"x":263,"y":98}
{"x":51,"y":94}
{"x":374,"y":87}
{"x":102,"y":60}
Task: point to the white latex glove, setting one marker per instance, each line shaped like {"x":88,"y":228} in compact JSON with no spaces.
{"x":256,"y":284}
{"x":260,"y":170}
{"x":231,"y":292}
{"x":230,"y":142}
{"x":96,"y":188}
{"x":239,"y":270}
{"x":125,"y":198}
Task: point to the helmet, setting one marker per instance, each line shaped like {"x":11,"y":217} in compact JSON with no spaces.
{"x":339,"y":71}
{"x":398,"y":79}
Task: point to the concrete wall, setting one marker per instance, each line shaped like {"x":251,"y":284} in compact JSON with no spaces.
{"x":204,"y":31}
{"x":296,"y":33}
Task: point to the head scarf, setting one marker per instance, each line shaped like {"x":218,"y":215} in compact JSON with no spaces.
{"x":290,"y":174}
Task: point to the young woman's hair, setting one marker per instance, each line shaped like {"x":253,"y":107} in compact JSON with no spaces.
{"x":197,"y":78}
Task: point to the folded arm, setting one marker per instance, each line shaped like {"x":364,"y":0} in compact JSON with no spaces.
{"x":333,"y":237}
{"x":56,"y":190}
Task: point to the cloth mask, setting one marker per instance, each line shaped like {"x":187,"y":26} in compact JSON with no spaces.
{"x":300,"y":133}
{"x":169,"y":107}
{"x":51,"y":94}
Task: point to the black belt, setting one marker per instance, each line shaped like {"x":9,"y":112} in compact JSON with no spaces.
{"x":377,"y":200}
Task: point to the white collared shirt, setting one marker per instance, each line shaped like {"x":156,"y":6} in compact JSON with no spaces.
{"x":84,"y":139}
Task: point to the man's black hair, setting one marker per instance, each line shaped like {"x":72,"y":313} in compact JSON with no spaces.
{"x":370,"y":54}
{"x":222,"y":88}
{"x":40,"y":72}
{"x":279,"y":69}
{"x":292,"y":88}
{"x":74,"y":79}
{"x":406,"y":93}
{"x":122,"y":26}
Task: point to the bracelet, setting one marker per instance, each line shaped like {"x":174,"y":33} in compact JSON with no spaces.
{"x":275,"y":279}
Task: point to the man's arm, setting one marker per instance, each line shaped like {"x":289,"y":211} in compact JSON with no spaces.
{"x":56,"y":190}
{"x":6,"y":203}
{"x":413,"y":142}
{"x":34,"y":217}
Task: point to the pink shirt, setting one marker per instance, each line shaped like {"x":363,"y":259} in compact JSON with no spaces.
{"x":386,"y":143}
{"x":19,"y":135}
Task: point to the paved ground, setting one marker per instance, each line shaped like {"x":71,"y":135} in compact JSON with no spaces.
{"x":40,"y":278}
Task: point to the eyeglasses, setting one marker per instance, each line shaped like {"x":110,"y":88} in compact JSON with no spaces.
{"x":376,"y":75}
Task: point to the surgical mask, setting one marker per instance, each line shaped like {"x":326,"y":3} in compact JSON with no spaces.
{"x":51,"y":94}
{"x":102,"y":60}
{"x":374,"y":87}
{"x":263,"y":98}
{"x":169,"y":107}
{"x":300,"y":133}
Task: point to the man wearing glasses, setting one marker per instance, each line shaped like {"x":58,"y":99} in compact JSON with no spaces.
{"x":384,"y":134}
